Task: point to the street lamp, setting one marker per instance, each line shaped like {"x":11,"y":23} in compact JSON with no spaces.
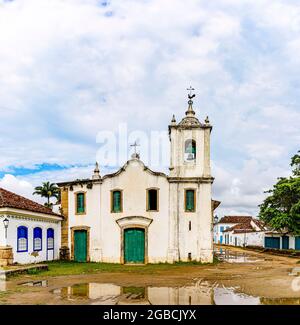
{"x":6,"y":223}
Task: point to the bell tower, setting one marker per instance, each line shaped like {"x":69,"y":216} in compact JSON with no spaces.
{"x":190,"y":204}
{"x":190,"y":145}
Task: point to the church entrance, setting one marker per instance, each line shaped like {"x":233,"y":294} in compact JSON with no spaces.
{"x":80,"y":245}
{"x":134,"y":245}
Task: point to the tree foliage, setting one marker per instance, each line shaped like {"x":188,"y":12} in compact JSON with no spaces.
{"x":48,"y":190}
{"x":281,"y":209}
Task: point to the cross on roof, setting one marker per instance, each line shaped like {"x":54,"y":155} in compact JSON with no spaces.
{"x":191,"y":90}
{"x":135,"y":145}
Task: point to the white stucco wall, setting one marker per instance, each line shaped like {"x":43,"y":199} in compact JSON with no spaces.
{"x":105,"y":241}
{"x":30,"y":220}
{"x":250,"y":239}
{"x":2,"y":233}
{"x":218,"y":233}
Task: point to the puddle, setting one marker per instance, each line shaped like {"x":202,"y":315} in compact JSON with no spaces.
{"x":201,"y":293}
{"x":43,"y":283}
{"x":229,"y":256}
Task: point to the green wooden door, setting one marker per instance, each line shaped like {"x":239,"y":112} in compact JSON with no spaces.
{"x":80,"y":246}
{"x":134,"y":245}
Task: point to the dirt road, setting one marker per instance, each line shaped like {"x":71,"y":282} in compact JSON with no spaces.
{"x":243,"y":272}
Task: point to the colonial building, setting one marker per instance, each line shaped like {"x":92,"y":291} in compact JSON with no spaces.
{"x":29,"y":232}
{"x":137,"y":215}
{"x":249,"y":231}
{"x":227,"y":222}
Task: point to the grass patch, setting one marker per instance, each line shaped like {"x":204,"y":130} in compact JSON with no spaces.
{"x":33,"y":271}
{"x":58,"y":268}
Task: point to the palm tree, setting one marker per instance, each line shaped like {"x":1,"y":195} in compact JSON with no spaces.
{"x":47,"y":190}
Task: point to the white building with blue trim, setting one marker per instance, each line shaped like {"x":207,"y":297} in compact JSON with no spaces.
{"x":29,"y":232}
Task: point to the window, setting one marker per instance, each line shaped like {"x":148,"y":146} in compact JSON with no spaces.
{"x":190,"y":200}
{"x":221,"y":229}
{"x":37,"y":239}
{"x":152,"y":200}
{"x":22,"y":245}
{"x":80,"y":203}
{"x":50,"y":239}
{"x":190,"y":150}
{"x":116,"y":204}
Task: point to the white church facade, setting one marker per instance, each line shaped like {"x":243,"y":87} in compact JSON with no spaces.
{"x":136,"y":215}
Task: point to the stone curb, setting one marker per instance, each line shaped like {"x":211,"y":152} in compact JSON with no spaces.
{"x":4,"y":274}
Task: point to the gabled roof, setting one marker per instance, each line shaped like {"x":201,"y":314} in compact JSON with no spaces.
{"x":249,"y":224}
{"x":134,"y":160}
{"x":241,"y":228}
{"x":12,"y":200}
{"x":118,"y":172}
{"x":235,"y":219}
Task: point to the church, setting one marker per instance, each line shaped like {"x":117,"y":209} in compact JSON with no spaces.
{"x":137,"y":215}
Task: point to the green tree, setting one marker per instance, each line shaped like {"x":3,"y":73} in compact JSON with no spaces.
{"x":48,"y":190}
{"x":281,"y":209}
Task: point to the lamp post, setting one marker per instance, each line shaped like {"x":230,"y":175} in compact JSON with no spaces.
{"x":216,"y":219}
{"x":215,"y":229}
{"x":6,"y":223}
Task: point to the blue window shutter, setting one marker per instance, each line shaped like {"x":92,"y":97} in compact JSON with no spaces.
{"x":22,"y":239}
{"x":37,"y":239}
{"x":22,"y":232}
{"x":37,"y":232}
{"x":50,"y":239}
{"x":50,"y":233}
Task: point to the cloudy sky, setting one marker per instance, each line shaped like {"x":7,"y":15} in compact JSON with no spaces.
{"x":71,"y":68}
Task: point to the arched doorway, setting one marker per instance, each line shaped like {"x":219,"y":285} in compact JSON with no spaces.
{"x":134,"y":245}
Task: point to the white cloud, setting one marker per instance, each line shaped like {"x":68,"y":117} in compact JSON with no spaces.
{"x":242,"y":190}
{"x":21,"y":187}
{"x":71,"y":68}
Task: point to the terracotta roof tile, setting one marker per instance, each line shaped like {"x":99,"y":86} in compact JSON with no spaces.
{"x":235,"y":219}
{"x":241,"y":227}
{"x":246,"y":226}
{"x":11,"y":200}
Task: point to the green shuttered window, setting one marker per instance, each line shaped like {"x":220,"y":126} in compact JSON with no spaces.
{"x":190,"y":200}
{"x":80,"y":208}
{"x":117,"y":201}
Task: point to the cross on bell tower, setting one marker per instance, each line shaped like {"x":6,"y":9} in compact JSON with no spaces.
{"x":191,"y":95}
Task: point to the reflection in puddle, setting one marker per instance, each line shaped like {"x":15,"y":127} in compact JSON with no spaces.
{"x":43,"y":283}
{"x":230,"y":256}
{"x":3,"y":285}
{"x":201,"y":293}
{"x":280,"y":301}
{"x":228,"y":296}
{"x":103,"y":293}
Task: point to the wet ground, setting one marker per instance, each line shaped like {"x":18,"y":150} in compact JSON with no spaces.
{"x":242,"y":277}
